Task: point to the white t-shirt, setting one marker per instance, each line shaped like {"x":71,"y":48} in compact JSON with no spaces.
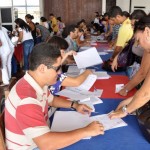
{"x":26,"y":35}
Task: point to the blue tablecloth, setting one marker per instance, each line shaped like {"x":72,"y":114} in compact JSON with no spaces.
{"x":123,"y":138}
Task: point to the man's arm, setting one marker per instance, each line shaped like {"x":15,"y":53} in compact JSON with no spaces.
{"x":59,"y":102}
{"x":57,"y":140}
{"x":76,"y":81}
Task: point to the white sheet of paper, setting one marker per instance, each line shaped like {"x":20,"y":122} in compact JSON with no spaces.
{"x":102,"y":53}
{"x":107,"y":122}
{"x":102,"y":75}
{"x":119,"y":87}
{"x":87,"y":58}
{"x":87,"y":84}
{"x":95,"y":100}
{"x":109,"y":50}
{"x":77,"y":94}
{"x":88,"y":103}
{"x":98,"y":92}
{"x":84,"y":48}
{"x":69,"y":120}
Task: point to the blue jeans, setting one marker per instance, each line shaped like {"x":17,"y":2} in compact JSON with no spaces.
{"x":27,"y":48}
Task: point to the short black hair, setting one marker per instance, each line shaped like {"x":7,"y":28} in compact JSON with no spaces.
{"x":138,"y":14}
{"x":68,"y":29}
{"x":29,"y":16}
{"x":58,"y":42}
{"x":126,"y":14}
{"x":43,"y":19}
{"x":43,"y":53}
{"x":142,"y":23}
{"x":51,"y":14}
{"x":114,"y":11}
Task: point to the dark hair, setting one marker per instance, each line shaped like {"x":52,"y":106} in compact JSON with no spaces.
{"x":126,"y":14}
{"x":51,"y":14}
{"x":106,"y":14}
{"x":68,"y":29}
{"x":22,"y":24}
{"x":97,"y":13}
{"x":43,"y":53}
{"x":43,"y":19}
{"x":29,"y":16}
{"x":98,"y":27}
{"x":59,"y":18}
{"x":142,"y":23}
{"x":58,"y":42}
{"x":114,"y":11}
{"x":138,"y":14}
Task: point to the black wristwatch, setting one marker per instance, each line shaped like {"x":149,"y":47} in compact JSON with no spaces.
{"x":73,"y":102}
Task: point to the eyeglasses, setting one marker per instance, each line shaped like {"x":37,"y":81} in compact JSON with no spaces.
{"x":55,"y":68}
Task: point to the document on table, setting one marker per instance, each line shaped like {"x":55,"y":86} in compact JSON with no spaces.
{"x":119,"y":87}
{"x":77,"y":94}
{"x":84,"y":48}
{"x":69,"y":120}
{"x":107,"y":122}
{"x":102,"y":75}
{"x":102,"y":53}
{"x":87,"y":84}
{"x":87,"y":58}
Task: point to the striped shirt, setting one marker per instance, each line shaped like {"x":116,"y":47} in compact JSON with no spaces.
{"x":26,"y":114}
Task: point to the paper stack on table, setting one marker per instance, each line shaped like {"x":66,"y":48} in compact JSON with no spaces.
{"x":81,"y":92}
{"x":102,"y":75}
{"x":87,"y":58}
{"x":70,"y":120}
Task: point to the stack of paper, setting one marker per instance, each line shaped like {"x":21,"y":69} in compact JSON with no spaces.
{"x":77,"y":94}
{"x":87,"y":58}
{"x":102,"y":75}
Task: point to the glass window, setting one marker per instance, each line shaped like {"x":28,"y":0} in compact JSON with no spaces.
{"x":32,"y":2}
{"x":35,"y":11}
{"x":6,"y":3}
{"x":6,"y":15}
{"x":19,"y":12}
{"x":19,"y":2}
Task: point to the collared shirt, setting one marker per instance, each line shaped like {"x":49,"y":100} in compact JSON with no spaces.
{"x":26,"y":114}
{"x":125,"y":33}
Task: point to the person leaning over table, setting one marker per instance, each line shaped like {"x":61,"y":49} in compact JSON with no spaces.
{"x":125,"y":31}
{"x":27,"y":103}
{"x":141,"y":64}
{"x":63,"y":79}
{"x":142,"y":96}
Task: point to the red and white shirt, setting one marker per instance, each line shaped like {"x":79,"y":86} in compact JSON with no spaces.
{"x":26,"y":114}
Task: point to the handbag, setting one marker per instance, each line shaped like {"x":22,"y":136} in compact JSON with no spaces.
{"x":126,"y":57}
{"x":107,"y":66}
{"x":143,"y":117}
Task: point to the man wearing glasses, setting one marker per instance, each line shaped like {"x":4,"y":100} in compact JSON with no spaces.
{"x":26,"y":109}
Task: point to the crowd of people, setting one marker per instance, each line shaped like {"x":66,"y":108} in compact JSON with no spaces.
{"x":48,"y":48}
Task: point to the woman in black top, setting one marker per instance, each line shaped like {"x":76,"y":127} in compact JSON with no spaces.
{"x":29,"y":18}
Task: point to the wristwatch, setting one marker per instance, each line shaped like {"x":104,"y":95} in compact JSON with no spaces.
{"x":124,"y":110}
{"x":73,"y":102}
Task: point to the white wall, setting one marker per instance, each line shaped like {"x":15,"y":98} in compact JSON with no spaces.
{"x":125,"y":5}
